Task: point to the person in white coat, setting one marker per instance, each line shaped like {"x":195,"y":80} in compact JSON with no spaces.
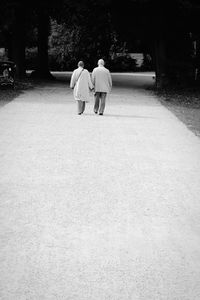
{"x":81,"y":83}
{"x":102,"y":82}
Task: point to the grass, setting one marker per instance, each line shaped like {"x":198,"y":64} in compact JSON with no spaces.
{"x":185,"y":104}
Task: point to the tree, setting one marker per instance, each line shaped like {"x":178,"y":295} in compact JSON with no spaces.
{"x":44,"y":9}
{"x":89,"y":31}
{"x":18,"y":16}
{"x":42,"y":70}
{"x":161,"y":27}
{"x":159,"y":24}
{"x":13,"y":26}
{"x":19,"y":40}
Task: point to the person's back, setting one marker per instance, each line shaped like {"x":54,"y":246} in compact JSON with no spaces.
{"x":102,"y":82}
{"x":101,"y":79}
{"x":81,"y":83}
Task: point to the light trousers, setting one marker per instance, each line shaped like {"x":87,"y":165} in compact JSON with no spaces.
{"x":81,"y":106}
{"x":100,"y":102}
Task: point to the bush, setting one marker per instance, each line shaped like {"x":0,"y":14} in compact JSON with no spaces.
{"x":147,"y":64}
{"x":123,"y":64}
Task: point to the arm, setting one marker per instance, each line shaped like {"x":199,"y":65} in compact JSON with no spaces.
{"x":110,"y":80}
{"x":90,"y":82}
{"x":93,"y":77}
{"x":73,"y":80}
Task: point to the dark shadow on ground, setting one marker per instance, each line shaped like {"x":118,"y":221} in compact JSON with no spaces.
{"x":7,"y":95}
{"x":119,"y":116}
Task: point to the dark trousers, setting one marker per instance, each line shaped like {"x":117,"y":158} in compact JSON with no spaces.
{"x":81,"y":106}
{"x":100,"y":100}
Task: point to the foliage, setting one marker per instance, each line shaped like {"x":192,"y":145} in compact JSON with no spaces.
{"x":87,"y":37}
{"x":122,"y":64}
{"x":67,"y":46}
{"x":90,"y":29}
{"x":64,"y":44}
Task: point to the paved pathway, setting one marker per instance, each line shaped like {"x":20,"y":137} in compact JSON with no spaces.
{"x":98,"y":208}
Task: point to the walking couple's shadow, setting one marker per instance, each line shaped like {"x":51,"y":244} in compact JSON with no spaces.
{"x":121,"y":116}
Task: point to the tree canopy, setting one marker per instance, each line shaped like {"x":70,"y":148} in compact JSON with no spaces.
{"x":90,"y":29}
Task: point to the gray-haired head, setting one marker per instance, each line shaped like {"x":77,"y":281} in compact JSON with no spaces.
{"x":101,"y":62}
{"x":81,"y":64}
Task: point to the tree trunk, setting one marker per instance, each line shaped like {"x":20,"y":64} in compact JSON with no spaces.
{"x":160,"y":62}
{"x":18,"y":43}
{"x":197,"y":61}
{"x":42,"y":70}
{"x":160,"y":44}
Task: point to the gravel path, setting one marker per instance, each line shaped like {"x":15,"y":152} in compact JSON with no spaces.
{"x":97,"y":207}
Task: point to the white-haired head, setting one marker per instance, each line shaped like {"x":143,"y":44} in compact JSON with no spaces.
{"x":81,"y":64}
{"x":101,"y":62}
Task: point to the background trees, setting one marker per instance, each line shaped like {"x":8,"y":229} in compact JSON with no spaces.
{"x":13,"y":27}
{"x":165,"y":29}
{"x":66,"y":31}
{"x":86,"y":32}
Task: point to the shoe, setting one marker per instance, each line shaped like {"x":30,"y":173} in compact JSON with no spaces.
{"x":79,"y":113}
{"x":101,"y":114}
{"x":95,"y":112}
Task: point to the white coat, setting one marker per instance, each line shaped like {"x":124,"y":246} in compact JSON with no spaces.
{"x":81,"y":82}
{"x":101,"y":79}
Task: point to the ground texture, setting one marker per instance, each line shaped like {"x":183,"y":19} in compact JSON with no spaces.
{"x":98,"y":207}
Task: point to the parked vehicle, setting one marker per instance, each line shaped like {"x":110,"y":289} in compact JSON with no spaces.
{"x":7,"y":73}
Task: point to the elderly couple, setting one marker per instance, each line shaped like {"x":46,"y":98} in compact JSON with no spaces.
{"x":100,"y":81}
